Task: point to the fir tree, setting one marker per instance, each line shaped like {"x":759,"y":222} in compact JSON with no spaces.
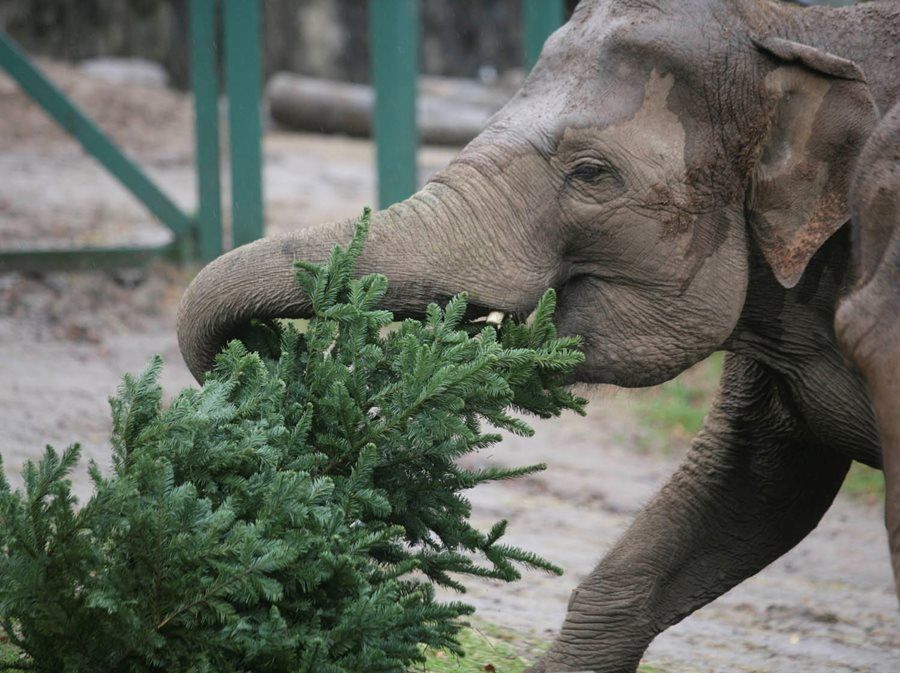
{"x":294,"y":513}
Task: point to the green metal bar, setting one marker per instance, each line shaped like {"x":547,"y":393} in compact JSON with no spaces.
{"x":83,"y":258}
{"x":92,"y":139}
{"x":394,"y":40}
{"x":541,"y":18}
{"x":205,"y":82}
{"x":243,"y":76}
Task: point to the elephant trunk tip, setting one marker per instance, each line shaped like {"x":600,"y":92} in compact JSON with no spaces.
{"x":200,"y":336}
{"x":254,"y":281}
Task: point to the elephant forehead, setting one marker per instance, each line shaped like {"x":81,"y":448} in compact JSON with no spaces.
{"x":648,"y":27}
{"x":603,"y":61}
{"x":651,"y":133}
{"x":661,"y":12}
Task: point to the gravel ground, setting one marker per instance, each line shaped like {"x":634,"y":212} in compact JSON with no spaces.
{"x":66,"y":339}
{"x":828,"y":605}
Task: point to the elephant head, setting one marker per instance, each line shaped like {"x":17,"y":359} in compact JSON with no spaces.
{"x":652,"y":151}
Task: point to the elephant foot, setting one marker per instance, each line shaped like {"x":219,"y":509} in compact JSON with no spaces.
{"x":544,"y":666}
{"x":602,"y":661}
{"x":541,"y":667}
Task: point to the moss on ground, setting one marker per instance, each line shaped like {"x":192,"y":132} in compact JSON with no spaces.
{"x":493,"y":650}
{"x":487,"y":649}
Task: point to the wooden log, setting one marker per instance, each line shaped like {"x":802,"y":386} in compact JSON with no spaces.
{"x":450,"y":111}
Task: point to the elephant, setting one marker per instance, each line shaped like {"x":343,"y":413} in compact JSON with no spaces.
{"x":868,"y":317}
{"x":680,"y":172}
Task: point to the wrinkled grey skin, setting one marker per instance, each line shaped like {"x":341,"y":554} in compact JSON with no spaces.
{"x":679,"y":171}
{"x":868,"y":319}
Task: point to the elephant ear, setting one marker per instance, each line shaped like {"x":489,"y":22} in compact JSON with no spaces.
{"x":820,"y":112}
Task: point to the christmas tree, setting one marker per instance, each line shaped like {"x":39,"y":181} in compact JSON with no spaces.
{"x":295,"y":512}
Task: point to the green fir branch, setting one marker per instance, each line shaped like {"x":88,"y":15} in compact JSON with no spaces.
{"x":294,"y":513}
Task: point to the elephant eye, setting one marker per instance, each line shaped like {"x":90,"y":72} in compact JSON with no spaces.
{"x":591,"y":172}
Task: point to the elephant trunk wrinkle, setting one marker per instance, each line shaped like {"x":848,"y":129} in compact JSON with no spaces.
{"x":446,"y":239}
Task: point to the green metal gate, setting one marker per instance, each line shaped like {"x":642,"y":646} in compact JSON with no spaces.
{"x":195,"y":235}
{"x":394,"y":40}
{"x":394,"y":36}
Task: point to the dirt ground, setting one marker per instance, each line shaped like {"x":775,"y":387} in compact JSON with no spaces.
{"x":67,"y":338}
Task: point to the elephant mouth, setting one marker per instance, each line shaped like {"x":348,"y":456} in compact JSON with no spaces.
{"x":570,"y":291}
{"x":476,"y":312}
{"x":496,"y":315}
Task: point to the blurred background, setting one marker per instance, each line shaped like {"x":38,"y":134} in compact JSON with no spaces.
{"x":168,"y":130}
{"x":321,"y":38}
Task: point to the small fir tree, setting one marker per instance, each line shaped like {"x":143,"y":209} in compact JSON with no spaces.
{"x":294,"y":513}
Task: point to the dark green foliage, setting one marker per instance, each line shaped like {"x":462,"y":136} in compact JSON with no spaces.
{"x":288,"y":515}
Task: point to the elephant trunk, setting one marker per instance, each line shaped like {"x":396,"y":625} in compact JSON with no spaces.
{"x":431,"y":246}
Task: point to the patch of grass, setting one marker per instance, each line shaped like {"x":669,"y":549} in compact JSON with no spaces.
{"x":864,"y":482}
{"x":9,"y":655}
{"x":673,"y":412}
{"x":488,"y":648}
{"x":491,"y":649}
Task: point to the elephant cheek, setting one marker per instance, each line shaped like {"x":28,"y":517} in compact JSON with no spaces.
{"x":582,"y":311}
{"x":636,"y":336}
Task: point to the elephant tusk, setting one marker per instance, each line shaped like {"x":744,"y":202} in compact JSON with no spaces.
{"x":495,"y":318}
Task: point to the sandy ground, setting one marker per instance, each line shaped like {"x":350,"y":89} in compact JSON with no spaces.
{"x":66,"y":339}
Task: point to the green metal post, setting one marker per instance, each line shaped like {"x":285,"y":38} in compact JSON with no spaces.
{"x":92,"y":139}
{"x":243,"y":76}
{"x":394,"y":44}
{"x":78,"y":259}
{"x":205,"y":82}
{"x":541,"y":18}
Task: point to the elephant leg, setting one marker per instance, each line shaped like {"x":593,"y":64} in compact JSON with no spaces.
{"x":869,"y":327}
{"x":868,"y":320}
{"x":749,"y":489}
